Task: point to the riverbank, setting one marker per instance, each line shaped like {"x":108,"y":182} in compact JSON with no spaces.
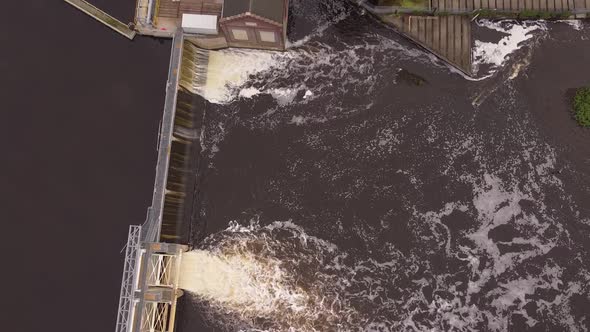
{"x":444,"y":28}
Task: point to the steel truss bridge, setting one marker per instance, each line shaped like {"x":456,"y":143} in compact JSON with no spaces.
{"x":149,"y":287}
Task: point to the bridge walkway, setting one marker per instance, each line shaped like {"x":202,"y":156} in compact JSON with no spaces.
{"x":103,"y":17}
{"x":572,"y":6}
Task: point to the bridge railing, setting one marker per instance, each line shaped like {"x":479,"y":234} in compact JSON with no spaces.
{"x":434,"y":10}
{"x":127,"y":296}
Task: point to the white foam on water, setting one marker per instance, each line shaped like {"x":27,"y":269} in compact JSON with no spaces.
{"x":228,"y":70}
{"x":244,"y":275}
{"x":338,"y":13}
{"x":575,"y":24}
{"x":315,"y":286}
{"x":284,"y":96}
{"x":240,"y":282}
{"x":299,"y":120}
{"x":496,"y":54}
{"x":348,"y":292}
{"x":249,"y":92}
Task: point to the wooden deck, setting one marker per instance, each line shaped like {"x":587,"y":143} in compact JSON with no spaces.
{"x":447,"y":37}
{"x":573,"y":6}
{"x":175,"y":9}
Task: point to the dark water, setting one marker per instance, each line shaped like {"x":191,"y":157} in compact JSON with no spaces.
{"x":80,"y":113}
{"x":454,"y":204}
{"x":386,"y":169}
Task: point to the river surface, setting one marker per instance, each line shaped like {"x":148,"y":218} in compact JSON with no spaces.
{"x":81,"y":107}
{"x":371,"y":187}
{"x":382,"y":188}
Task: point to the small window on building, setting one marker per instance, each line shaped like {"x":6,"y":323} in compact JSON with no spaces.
{"x":268,"y":37}
{"x":239,"y":34}
{"x":251,"y":24}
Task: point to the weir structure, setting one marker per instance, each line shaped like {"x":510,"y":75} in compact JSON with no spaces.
{"x":149,"y":287}
{"x":153,"y":254}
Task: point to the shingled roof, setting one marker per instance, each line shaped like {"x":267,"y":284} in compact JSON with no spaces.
{"x":269,"y":9}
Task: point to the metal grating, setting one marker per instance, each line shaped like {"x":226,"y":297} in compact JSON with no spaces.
{"x":126,"y":299}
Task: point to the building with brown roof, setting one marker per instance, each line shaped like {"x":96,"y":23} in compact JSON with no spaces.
{"x":255,"y":23}
{"x":258,"y":24}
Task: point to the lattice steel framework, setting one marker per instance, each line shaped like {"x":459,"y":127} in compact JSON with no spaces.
{"x":161,"y":270}
{"x":149,"y":290}
{"x":127,"y":298}
{"x":155,"y":317}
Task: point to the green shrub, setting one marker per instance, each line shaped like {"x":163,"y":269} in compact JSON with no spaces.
{"x":529,"y":14}
{"x":582,"y":106}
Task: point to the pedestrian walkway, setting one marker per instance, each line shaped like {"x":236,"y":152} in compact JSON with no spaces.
{"x":513,"y":6}
{"x":103,"y":17}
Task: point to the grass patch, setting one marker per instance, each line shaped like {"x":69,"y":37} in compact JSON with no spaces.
{"x":582,"y":107}
{"x":523,"y":15}
{"x":413,"y":4}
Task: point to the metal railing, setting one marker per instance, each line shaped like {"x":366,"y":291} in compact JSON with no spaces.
{"x":103,"y":17}
{"x":433,"y":10}
{"x":145,"y":12}
{"x":126,"y":298}
{"x":154,"y":223}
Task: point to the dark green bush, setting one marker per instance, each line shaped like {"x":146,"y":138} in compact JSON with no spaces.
{"x":582,"y":107}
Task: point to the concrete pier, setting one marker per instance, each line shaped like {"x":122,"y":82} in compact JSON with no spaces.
{"x":103,"y":17}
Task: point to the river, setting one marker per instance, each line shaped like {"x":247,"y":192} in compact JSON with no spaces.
{"x":372,"y":188}
{"x":382,"y":190}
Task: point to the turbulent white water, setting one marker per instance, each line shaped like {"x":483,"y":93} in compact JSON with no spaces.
{"x":230,"y":69}
{"x":473,"y":192}
{"x":497,"y":53}
{"x":280,"y":278}
{"x":276,"y":274}
{"x":241,"y":282}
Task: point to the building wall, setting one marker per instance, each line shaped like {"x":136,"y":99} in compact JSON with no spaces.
{"x":251,"y":32}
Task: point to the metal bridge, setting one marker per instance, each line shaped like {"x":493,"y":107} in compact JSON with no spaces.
{"x":103,"y":17}
{"x":149,"y":287}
